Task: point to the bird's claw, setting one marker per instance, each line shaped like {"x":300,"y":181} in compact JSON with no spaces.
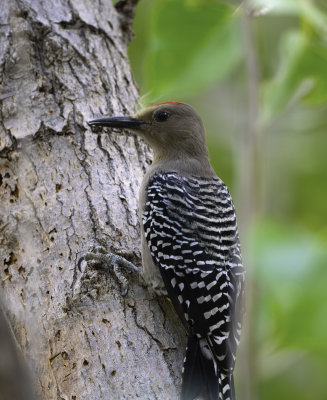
{"x":100,"y":257}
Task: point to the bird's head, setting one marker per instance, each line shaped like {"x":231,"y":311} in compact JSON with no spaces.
{"x":172,"y":129}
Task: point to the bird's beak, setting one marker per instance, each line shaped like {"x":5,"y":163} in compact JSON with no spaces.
{"x":118,"y":122}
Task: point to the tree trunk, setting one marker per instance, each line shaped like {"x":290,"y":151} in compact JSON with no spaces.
{"x":65,"y":190}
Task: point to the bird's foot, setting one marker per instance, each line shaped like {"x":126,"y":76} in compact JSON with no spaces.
{"x":100,"y":258}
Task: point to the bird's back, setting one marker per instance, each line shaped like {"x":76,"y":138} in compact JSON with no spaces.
{"x":191,"y":233}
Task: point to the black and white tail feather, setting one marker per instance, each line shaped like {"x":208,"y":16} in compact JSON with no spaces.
{"x":191,"y":231}
{"x":202,"y":376}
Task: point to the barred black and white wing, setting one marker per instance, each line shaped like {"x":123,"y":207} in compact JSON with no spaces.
{"x":191,"y":231}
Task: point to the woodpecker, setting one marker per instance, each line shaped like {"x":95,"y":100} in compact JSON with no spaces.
{"x":190,"y":243}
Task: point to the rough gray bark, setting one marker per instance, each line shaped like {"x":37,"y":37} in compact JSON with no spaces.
{"x":64,"y":190}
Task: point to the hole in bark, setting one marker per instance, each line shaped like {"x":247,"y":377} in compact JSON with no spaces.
{"x":52,"y":238}
{"x":103,"y":366}
{"x":57,"y":335}
{"x":58,"y":187}
{"x":11,"y":259}
{"x":21,"y":270}
{"x":74,"y":397}
{"x":64,"y":355}
{"x":8,"y":274}
{"x":105,"y":321}
{"x":85,"y":362}
{"x":118,"y":344}
{"x":113,"y":373}
{"x":22,"y":14}
{"x":7,"y":175}
{"x":15,"y":192}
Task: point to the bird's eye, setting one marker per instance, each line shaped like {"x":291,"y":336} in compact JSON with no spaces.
{"x":161,"y":116}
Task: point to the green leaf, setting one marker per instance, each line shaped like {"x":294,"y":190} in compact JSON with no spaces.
{"x":302,"y":73}
{"x":291,"y":267}
{"x":304,"y":9}
{"x":291,"y":298}
{"x":192,"y":44}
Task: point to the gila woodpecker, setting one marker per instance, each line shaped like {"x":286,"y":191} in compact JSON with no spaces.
{"x":190,"y":244}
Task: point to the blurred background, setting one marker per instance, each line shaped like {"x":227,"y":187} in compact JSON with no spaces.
{"x":257,"y":73}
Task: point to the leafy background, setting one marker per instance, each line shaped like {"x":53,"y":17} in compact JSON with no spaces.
{"x":258,"y":76}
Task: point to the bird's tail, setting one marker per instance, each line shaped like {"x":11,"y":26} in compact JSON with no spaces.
{"x":226,"y":387}
{"x":201,"y":375}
